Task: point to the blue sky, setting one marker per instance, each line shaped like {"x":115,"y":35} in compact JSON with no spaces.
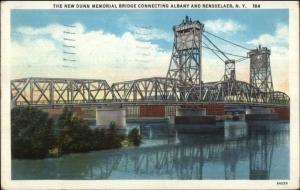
{"x":138,"y":43}
{"x":116,"y":21}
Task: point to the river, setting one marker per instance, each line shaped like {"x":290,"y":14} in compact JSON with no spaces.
{"x":256,"y":150}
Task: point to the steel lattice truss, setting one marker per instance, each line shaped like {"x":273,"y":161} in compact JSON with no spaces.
{"x":164,"y":89}
{"x":53,"y":91}
{"x":183,"y":83}
{"x":48,"y":91}
{"x":185,"y":63}
{"x":260,"y":69}
{"x":229,"y":70}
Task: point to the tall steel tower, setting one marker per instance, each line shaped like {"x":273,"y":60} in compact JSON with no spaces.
{"x":229,"y":70}
{"x":260,"y":69}
{"x":185,"y":64}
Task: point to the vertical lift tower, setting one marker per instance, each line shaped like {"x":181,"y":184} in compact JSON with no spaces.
{"x":260,"y":71}
{"x":185,"y":64}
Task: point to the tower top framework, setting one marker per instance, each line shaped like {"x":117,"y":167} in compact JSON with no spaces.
{"x":260,"y":69}
{"x":185,"y":63}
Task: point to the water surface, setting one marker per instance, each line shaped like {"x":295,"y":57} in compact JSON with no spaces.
{"x":239,"y":150}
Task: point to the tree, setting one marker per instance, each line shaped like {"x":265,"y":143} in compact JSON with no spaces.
{"x":134,"y":137}
{"x":75,"y":134}
{"x":113,"y":139}
{"x":98,"y":139}
{"x":32,"y":133}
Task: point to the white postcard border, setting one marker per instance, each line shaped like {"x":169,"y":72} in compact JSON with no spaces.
{"x":7,"y":183}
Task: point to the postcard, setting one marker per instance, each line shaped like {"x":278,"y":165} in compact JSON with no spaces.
{"x":150,"y":95}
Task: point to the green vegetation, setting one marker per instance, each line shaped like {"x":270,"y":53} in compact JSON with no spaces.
{"x":32,"y":133}
{"x":134,"y":137}
{"x":74,"y":134}
{"x":34,"y":136}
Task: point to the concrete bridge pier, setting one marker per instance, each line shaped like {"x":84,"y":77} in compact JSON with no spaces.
{"x":186,"y":115}
{"x":260,"y":113}
{"x":107,"y":115}
{"x":171,"y":120}
{"x":190,"y":111}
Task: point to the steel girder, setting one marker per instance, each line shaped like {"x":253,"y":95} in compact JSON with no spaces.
{"x":146,"y":89}
{"x":165,"y":89}
{"x":53,"y":91}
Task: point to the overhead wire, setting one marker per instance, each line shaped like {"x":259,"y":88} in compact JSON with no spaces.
{"x":214,"y":46}
{"x":225,"y":52}
{"x":227,"y":41}
{"x":242,"y":58}
{"x":214,"y":52}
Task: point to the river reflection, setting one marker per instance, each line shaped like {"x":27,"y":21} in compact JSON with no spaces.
{"x":243,"y":151}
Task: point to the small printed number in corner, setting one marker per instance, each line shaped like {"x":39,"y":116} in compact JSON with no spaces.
{"x":282,"y":182}
{"x":256,"y":5}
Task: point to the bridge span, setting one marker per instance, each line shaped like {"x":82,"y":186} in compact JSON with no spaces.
{"x":55,"y":92}
{"x":181,"y":86}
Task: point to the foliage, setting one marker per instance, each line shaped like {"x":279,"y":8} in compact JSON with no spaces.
{"x":134,"y":137}
{"x":114,"y":139}
{"x":107,"y":139}
{"x":75,"y":134}
{"x":32,"y":133}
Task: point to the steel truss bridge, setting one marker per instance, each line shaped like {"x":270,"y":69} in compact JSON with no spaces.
{"x":62,"y":92}
{"x":182,"y":85}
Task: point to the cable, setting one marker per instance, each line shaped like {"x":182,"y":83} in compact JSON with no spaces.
{"x":228,"y":41}
{"x":225,"y":52}
{"x":214,"y":52}
{"x":241,"y":60}
{"x":215,"y":46}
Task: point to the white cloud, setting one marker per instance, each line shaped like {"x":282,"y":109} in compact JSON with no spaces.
{"x":150,"y":33}
{"x":213,"y":68}
{"x":279,"y":38}
{"x":222,"y":26}
{"x":278,"y":44}
{"x":98,"y":55}
{"x":114,"y":58}
{"x":145,"y":32}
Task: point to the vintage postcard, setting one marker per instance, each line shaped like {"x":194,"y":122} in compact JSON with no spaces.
{"x":150,"y":95}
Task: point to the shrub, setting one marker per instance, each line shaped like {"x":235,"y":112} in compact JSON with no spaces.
{"x":32,"y":133}
{"x":134,"y":137}
{"x":75,"y":134}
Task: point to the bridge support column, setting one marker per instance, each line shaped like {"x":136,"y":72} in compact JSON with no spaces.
{"x":283,"y":112}
{"x":106,"y":116}
{"x":190,"y":111}
{"x":191,"y":115}
{"x":260,"y":113}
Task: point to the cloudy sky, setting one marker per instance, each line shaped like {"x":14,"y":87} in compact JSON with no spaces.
{"x":118,"y":45}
